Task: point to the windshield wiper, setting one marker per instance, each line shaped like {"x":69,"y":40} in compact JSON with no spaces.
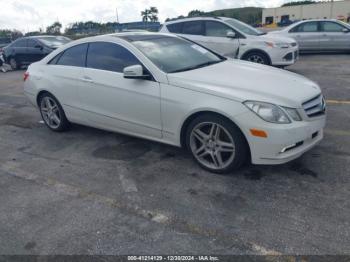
{"x":196,"y":66}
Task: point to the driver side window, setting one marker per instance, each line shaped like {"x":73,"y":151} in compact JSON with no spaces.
{"x":216,"y":29}
{"x":109,"y":57}
{"x":331,"y":27}
{"x":309,"y":27}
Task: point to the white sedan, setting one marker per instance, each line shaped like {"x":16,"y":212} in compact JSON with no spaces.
{"x":164,"y":88}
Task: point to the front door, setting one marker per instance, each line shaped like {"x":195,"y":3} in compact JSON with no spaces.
{"x":307,"y":35}
{"x":114,"y":102}
{"x":334,"y":37}
{"x":217,"y":40}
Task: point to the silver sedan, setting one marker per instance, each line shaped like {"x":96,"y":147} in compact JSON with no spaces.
{"x":319,"y":35}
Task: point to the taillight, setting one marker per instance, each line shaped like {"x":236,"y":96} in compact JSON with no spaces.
{"x":25,"y":76}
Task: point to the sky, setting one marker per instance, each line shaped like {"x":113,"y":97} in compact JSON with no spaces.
{"x":30,"y":15}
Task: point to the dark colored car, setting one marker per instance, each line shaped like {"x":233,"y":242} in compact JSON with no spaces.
{"x":4,"y":41}
{"x":27,"y":50}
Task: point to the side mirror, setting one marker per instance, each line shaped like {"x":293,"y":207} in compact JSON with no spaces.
{"x":39,"y":47}
{"x":231,"y":34}
{"x":135,"y":72}
{"x":346,"y":30}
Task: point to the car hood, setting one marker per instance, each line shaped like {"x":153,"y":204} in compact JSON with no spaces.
{"x":274,"y":38}
{"x":241,"y":81}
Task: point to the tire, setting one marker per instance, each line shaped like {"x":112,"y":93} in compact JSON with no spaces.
{"x":52,"y":113}
{"x":13,"y":63}
{"x":257,"y":57}
{"x":216,"y":143}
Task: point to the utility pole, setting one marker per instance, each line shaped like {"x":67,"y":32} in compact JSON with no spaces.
{"x":116,"y":10}
{"x":332,"y":6}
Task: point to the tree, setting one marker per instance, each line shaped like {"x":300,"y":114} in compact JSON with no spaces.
{"x":146,"y":15}
{"x":54,"y":29}
{"x":154,"y":14}
{"x":150,"y":14}
{"x":195,"y":13}
{"x":307,"y":2}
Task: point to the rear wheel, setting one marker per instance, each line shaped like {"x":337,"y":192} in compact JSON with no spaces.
{"x":257,"y":57}
{"x":52,"y":113}
{"x":216,"y":143}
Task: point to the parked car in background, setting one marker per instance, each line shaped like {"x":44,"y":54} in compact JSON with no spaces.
{"x":320,"y":35}
{"x":168,"y":89}
{"x":232,"y":38}
{"x":4,"y":41}
{"x":284,"y":23}
{"x":27,"y":50}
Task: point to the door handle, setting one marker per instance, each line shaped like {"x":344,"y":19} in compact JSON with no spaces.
{"x":86,"y":79}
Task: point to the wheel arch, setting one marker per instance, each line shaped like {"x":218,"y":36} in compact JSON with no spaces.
{"x":40,"y":93}
{"x":256,"y":50}
{"x":196,"y":114}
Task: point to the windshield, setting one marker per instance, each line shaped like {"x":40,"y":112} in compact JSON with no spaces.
{"x":171,"y":54}
{"x":54,"y":41}
{"x":244,"y":28}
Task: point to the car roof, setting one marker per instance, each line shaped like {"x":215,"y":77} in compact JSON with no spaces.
{"x":214,"y":18}
{"x":309,"y":20}
{"x":123,"y":36}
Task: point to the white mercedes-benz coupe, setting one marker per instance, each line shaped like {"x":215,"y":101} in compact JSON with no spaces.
{"x":165,"y":88}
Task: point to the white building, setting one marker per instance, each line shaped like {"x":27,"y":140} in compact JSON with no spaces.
{"x":321,"y":10}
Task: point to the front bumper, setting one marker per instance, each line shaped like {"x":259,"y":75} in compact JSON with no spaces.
{"x":284,"y":56}
{"x":285,"y":142}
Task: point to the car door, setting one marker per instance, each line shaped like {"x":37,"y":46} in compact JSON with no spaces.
{"x":334,"y":36}
{"x":307,"y":35}
{"x":34,"y":50}
{"x":65,"y":73}
{"x":217,"y":40}
{"x":114,"y":102}
{"x":194,"y":30}
{"x":18,"y":50}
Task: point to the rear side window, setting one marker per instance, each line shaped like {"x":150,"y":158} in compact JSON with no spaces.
{"x":193,"y":28}
{"x":306,"y":28}
{"x":54,"y":60}
{"x":74,"y":56}
{"x":331,"y":27}
{"x":32,"y":43}
{"x":175,"y":28}
{"x":216,"y":29}
{"x":109,"y":57}
{"x":20,"y":43}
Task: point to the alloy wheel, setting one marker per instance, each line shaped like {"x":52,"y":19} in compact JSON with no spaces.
{"x":13,"y":63}
{"x":50,"y":112}
{"x":256,"y":59}
{"x":212,"y":145}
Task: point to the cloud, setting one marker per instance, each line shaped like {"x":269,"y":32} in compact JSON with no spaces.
{"x":31,"y":15}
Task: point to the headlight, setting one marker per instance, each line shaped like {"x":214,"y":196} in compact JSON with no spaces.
{"x":279,"y":44}
{"x":268,"y":112}
{"x":293,"y":113}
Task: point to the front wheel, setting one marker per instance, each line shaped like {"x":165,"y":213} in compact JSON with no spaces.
{"x":216,"y":143}
{"x":13,"y":63}
{"x":257,"y":57}
{"x":52,"y":113}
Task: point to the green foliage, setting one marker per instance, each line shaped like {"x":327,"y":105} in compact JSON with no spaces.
{"x":90,"y":27}
{"x":250,"y":15}
{"x":150,"y":14}
{"x":195,"y":13}
{"x":54,"y":29}
{"x":13,"y":34}
{"x":307,"y":2}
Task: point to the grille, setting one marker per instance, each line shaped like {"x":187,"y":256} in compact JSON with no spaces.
{"x":315,"y":106}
